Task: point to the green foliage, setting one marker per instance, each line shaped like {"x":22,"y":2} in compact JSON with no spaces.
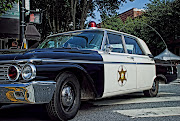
{"x":5,"y":5}
{"x":109,"y":7}
{"x":161,"y":15}
{"x":113,"y":23}
{"x":164,"y":16}
{"x":130,"y":26}
{"x":59,"y":14}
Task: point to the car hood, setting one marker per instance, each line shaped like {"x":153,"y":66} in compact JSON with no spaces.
{"x":61,"y":53}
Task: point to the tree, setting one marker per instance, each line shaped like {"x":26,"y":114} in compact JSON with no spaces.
{"x":164,"y":16}
{"x":161,"y":17}
{"x":114,"y":23}
{"x":5,"y":5}
{"x":64,"y":15}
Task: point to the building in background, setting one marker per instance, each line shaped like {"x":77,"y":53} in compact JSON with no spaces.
{"x":10,"y":27}
{"x":133,"y":13}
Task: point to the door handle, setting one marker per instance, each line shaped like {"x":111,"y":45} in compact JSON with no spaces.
{"x":131,"y":57}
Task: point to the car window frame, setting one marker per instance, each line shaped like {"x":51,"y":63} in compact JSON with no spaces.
{"x":120,"y":36}
{"x":107,"y":39}
{"x":137,"y":44}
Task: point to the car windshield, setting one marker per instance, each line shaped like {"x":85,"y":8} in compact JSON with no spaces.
{"x":80,"y":40}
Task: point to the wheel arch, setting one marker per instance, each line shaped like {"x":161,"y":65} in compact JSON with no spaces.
{"x":161,"y":78}
{"x":88,"y":90}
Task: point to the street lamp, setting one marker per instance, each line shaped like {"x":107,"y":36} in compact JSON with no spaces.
{"x":22,"y":20}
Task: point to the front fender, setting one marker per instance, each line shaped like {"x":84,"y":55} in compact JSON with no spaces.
{"x":51,"y":72}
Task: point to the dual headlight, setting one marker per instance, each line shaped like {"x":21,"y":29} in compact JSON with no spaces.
{"x":28,"y":72}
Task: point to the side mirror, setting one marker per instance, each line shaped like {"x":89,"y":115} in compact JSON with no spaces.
{"x":108,"y":48}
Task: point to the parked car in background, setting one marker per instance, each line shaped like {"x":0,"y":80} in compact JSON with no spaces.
{"x":69,"y":67}
{"x":166,"y":71}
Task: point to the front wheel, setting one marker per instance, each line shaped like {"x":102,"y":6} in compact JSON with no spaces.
{"x":153,"y":91}
{"x":66,"y":100}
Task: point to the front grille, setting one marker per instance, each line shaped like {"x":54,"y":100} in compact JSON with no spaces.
{"x":3,"y":72}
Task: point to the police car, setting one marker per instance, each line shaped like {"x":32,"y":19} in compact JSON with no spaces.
{"x":69,"y":67}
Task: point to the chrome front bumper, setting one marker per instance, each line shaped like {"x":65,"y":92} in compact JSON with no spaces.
{"x":32,"y":92}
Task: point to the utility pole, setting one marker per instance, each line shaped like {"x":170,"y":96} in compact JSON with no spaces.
{"x":22,"y":22}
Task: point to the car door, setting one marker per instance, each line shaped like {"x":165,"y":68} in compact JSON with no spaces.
{"x":119,"y":67}
{"x":145,"y":65}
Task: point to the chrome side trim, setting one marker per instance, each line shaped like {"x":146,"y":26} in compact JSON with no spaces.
{"x":90,"y":62}
{"x":21,"y":61}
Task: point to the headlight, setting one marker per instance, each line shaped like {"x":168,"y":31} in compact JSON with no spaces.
{"x":28,"y":72}
{"x":13,"y":73}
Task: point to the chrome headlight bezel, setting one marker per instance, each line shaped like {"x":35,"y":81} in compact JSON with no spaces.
{"x":17,"y":75}
{"x":32,"y":73}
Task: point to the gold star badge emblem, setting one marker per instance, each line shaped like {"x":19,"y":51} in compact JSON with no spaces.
{"x":122,"y":76}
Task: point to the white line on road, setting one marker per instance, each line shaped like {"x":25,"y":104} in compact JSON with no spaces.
{"x":136,"y":100}
{"x":151,"y":112}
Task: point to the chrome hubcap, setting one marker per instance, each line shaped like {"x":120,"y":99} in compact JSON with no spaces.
{"x":154,"y":86}
{"x":67,"y":96}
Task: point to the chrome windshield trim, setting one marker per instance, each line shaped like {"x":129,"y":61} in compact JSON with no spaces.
{"x":104,"y":40}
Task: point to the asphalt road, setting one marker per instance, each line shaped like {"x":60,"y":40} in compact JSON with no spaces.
{"x":133,"y":107}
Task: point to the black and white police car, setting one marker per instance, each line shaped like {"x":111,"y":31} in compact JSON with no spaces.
{"x":71,"y":66}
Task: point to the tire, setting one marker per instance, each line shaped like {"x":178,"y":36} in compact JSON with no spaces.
{"x":153,"y":91}
{"x":66,"y":100}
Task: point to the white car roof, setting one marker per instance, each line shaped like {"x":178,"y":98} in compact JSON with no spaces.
{"x":141,"y":43}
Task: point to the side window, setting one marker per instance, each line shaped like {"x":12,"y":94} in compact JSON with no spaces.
{"x":132,"y":46}
{"x":116,"y":42}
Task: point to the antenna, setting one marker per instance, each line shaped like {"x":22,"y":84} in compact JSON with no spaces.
{"x":156,"y":32}
{"x":148,"y":26}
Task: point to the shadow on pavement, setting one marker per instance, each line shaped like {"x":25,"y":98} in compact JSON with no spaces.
{"x":23,"y":112}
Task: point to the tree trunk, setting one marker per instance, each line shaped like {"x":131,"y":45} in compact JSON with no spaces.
{"x":84,"y":12}
{"x":49,"y":21}
{"x":48,"y":15}
{"x":57,"y":19}
{"x":73,"y":12}
{"x":54,"y":21}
